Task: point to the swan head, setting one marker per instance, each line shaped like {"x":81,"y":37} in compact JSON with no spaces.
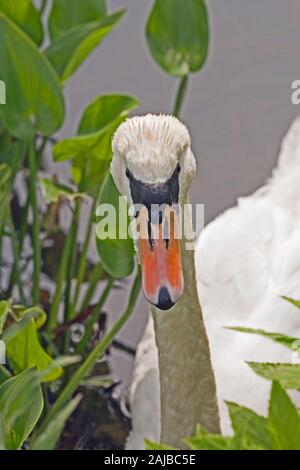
{"x":153,"y":166}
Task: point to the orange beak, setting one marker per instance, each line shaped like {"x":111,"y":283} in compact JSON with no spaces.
{"x":160,"y":256}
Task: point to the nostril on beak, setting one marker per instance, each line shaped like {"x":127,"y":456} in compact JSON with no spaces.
{"x":164,"y":299}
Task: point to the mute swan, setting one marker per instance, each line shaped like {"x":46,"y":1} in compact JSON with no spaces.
{"x":153,"y":165}
{"x":245,"y":260}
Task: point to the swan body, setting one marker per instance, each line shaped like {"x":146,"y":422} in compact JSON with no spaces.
{"x":246,"y":259}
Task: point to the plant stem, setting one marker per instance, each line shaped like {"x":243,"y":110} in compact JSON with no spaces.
{"x":83,"y":255}
{"x":24,"y":215}
{"x":94,"y":317}
{"x":63,"y":269}
{"x":180,"y":95}
{"x":72,"y":261}
{"x":43,"y":6}
{"x":35,"y":224}
{"x":95,"y":354}
{"x":16,"y":252}
{"x":95,"y":276}
{"x":22,"y":233}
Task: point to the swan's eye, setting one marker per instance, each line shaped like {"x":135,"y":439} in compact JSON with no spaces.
{"x":128,"y":174}
{"x":178,"y":169}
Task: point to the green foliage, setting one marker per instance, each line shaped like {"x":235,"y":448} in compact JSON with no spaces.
{"x":153,"y":446}
{"x":253,"y":427}
{"x":284,"y":340}
{"x":53,"y":191}
{"x":283,"y":420}
{"x":116,"y":248}
{"x":24,"y":349}
{"x":34,"y":98}
{"x":12,"y":154}
{"x":4,"y":310}
{"x":279,"y":431}
{"x":287,"y":374}
{"x":26,"y":16}
{"x":81,"y":40}
{"x":47,"y":439}
{"x":66,"y":15}
{"x":21,"y":404}
{"x":294,"y":302}
{"x":177,"y":34}
{"x":90,"y":151}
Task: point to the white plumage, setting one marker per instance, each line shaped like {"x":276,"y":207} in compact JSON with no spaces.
{"x":245,"y":260}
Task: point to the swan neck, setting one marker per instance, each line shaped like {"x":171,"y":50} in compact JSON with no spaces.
{"x":187,"y":383}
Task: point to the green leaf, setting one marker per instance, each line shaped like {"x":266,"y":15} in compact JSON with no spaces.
{"x":91,"y":150}
{"x":287,"y":374}
{"x":48,"y":438}
{"x":69,"y":50}
{"x":33,"y":95}
{"x":61,"y":361}
{"x":4,"y":309}
{"x":178,"y":35}
{"x":117,"y":254}
{"x":52,"y":191}
{"x":251,"y":426}
{"x":36,"y":313}
{"x":284,"y":420}
{"x":21,"y":404}
{"x":12,"y":153}
{"x":26,"y":16}
{"x":66,"y":14}
{"x":296,"y":303}
{"x":24,"y":350}
{"x":4,"y":374}
{"x":285,"y":340}
{"x":205,"y":441}
{"x":155,"y":446}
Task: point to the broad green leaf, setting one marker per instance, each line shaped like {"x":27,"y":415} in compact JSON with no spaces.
{"x":155,"y":446}
{"x":91,"y":150}
{"x":178,"y":35}
{"x":69,"y":50}
{"x":117,"y":254}
{"x":21,"y":404}
{"x":104,"y":110}
{"x":66,"y":14}
{"x":251,"y":426}
{"x":284,"y":420}
{"x":4,"y":374}
{"x":285,"y":340}
{"x":287,"y":374}
{"x":294,"y":302}
{"x":48,"y":438}
{"x":25,"y":15}
{"x":12,"y":153}
{"x":24,"y":350}
{"x":4,"y":309}
{"x":52,"y":191}
{"x":33,"y":94}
